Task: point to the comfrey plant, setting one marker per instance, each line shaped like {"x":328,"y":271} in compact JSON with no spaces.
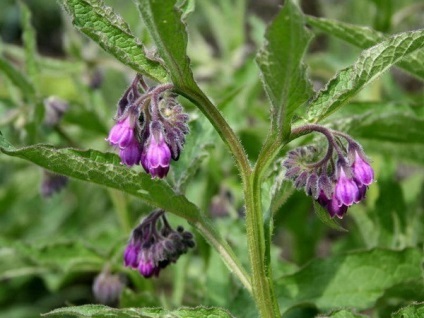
{"x":151,"y":128}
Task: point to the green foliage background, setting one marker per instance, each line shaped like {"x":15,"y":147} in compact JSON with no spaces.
{"x":51,"y":249}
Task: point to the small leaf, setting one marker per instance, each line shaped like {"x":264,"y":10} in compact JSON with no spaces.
{"x":19,"y":80}
{"x":355,"y":279}
{"x":370,"y":64}
{"x":99,"y":311}
{"x":29,"y":40}
{"x":365,"y":37}
{"x":415,"y":310}
{"x":102,"y":25}
{"x":325,"y":217}
{"x":163,"y":21}
{"x":283,"y":72}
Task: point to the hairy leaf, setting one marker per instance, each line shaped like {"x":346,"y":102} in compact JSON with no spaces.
{"x":356,"y":279}
{"x":365,"y":37}
{"x":282,"y":71}
{"x":105,"y":169}
{"x":101,"y":24}
{"x":99,"y":311}
{"x":370,"y":64}
{"x":163,"y":21}
{"x":415,"y":310}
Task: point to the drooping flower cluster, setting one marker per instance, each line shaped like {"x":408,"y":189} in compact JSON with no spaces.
{"x":340,"y":179}
{"x":150,"y":128}
{"x":154,"y":244}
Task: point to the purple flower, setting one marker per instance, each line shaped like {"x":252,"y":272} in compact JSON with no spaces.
{"x":362,"y":171}
{"x":131,"y":155}
{"x":154,"y":245}
{"x":156,"y":155}
{"x":131,"y":255}
{"x":122,"y":134}
{"x":332,"y":205}
{"x":346,"y":190}
{"x":147,"y":268}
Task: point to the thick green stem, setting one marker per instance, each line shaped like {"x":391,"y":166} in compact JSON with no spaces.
{"x":263,"y":290}
{"x":261,"y":284}
{"x":220,"y":125}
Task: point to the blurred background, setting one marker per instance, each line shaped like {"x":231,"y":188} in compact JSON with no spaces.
{"x":57,"y":235}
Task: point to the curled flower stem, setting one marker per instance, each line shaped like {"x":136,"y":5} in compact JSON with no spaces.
{"x":332,"y":144}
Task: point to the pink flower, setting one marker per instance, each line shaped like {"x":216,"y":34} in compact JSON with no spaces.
{"x":156,"y":155}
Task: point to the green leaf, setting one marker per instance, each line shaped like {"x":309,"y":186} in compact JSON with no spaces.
{"x":163,"y":21}
{"x":62,"y":256}
{"x":19,"y":80}
{"x":415,"y":310}
{"x":282,"y":71}
{"x":370,"y":64}
{"x":105,"y":169}
{"x":394,"y":127}
{"x":101,"y":24}
{"x":187,"y":7}
{"x":365,"y":37}
{"x":325,"y":217}
{"x":29,"y":40}
{"x":99,"y":311}
{"x":355,"y":279}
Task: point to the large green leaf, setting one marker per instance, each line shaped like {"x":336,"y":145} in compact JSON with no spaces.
{"x":370,"y":64}
{"x":99,"y":311}
{"x":163,"y":21}
{"x":355,"y":280}
{"x":105,"y":169}
{"x":282,"y":70}
{"x":365,"y":37}
{"x":101,"y":24}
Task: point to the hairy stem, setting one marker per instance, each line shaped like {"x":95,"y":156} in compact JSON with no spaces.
{"x":263,"y":289}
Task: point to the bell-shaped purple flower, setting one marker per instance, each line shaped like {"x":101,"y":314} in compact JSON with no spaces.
{"x":131,"y":155}
{"x":362,"y":171}
{"x":147,"y":268}
{"x":332,"y":205}
{"x":346,"y":190}
{"x":156,"y":155}
{"x":122,"y":134}
{"x":131,"y":255}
